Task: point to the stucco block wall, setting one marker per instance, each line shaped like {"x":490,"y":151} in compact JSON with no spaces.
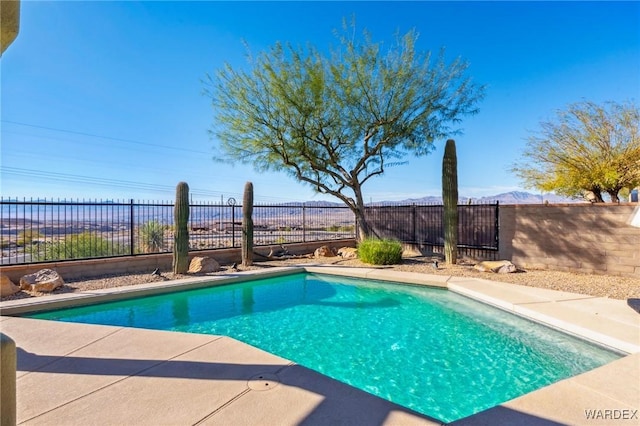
{"x":590,"y":238}
{"x":147,"y":263}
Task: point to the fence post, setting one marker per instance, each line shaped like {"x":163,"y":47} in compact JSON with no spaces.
{"x":233,"y":226}
{"x":131,"y":231}
{"x":304,"y":224}
{"x":8,"y":365}
{"x":497,"y":222}
{"x":413,"y":223}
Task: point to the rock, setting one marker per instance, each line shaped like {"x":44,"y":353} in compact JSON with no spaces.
{"x":43,"y":281}
{"x":348,"y":253}
{"x":507,"y":269}
{"x":497,"y":266}
{"x":202,"y":265}
{"x":324,"y":251}
{"x":277,"y":252}
{"x":7,"y":287}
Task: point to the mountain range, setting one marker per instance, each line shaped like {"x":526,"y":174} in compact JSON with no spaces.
{"x":513,"y":197}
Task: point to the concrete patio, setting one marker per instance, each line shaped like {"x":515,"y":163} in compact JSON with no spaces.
{"x":79,"y":374}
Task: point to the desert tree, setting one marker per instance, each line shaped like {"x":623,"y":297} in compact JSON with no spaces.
{"x":588,"y":149}
{"x":338,"y":119}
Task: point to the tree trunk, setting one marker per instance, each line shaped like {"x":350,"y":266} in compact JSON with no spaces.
{"x":597,"y":196}
{"x":614,"y":195}
{"x":364,"y":230}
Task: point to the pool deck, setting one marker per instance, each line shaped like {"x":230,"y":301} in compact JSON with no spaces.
{"x":79,"y":374}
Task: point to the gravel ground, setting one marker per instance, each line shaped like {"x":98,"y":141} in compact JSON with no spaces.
{"x":596,"y":285}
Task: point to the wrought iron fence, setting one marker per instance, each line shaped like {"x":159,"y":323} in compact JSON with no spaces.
{"x":478,"y":225}
{"x":34,"y":231}
{"x":40,"y":231}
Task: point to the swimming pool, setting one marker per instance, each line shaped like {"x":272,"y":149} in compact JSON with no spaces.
{"x":428,"y":349}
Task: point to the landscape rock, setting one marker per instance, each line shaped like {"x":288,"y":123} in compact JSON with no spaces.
{"x":202,"y":265}
{"x":324,"y":251}
{"x":43,"y":281}
{"x":497,"y":266}
{"x":348,"y":252}
{"x":278,"y":252}
{"x":7,"y":287}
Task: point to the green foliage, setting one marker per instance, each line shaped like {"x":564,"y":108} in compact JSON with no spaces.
{"x":341,"y":228}
{"x":27,"y":237}
{"x":588,"y":149}
{"x":151,"y":236}
{"x":247,"y":225}
{"x":181,"y":234}
{"x":335,"y":120}
{"x":380,"y":251}
{"x":79,"y":246}
{"x":450,"y":201}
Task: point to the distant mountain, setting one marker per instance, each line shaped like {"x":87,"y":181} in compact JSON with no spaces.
{"x":519,"y":197}
{"x":513,"y":197}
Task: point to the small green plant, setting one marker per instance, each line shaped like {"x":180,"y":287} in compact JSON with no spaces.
{"x":343,"y":228}
{"x":151,"y":237}
{"x":27,"y":237}
{"x":79,"y":246}
{"x":380,"y":251}
{"x":281,"y":240}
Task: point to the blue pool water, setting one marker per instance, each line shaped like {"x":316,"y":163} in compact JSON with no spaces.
{"x":428,"y":349}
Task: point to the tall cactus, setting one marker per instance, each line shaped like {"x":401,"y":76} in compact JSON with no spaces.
{"x":450,"y":202}
{"x":247,"y":225}
{"x":181,"y":234}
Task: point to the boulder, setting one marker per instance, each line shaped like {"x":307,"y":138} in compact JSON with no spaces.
{"x":507,"y":269}
{"x":278,"y":252}
{"x":7,"y":287}
{"x":348,"y":252}
{"x":324,"y":251}
{"x":497,"y":266}
{"x":202,"y":265}
{"x":43,"y":281}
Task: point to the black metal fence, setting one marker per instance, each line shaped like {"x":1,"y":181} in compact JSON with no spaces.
{"x":421,"y":225}
{"x":40,"y":231}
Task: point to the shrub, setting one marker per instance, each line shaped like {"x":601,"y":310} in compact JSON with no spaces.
{"x":343,"y":228}
{"x":80,"y":246}
{"x":27,"y":237}
{"x":380,"y":252}
{"x":151,"y":237}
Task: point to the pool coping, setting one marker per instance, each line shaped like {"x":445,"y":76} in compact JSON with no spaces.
{"x":608,"y":322}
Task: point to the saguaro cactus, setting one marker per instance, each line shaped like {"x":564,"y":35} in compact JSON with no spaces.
{"x":247,"y":225}
{"x":181,"y":234}
{"x":450,"y":202}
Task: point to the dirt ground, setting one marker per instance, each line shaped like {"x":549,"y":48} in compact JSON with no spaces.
{"x":615,"y":287}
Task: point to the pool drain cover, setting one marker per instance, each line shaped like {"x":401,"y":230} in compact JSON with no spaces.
{"x":263,"y":382}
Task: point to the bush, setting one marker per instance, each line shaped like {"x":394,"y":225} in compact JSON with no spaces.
{"x":80,"y":246}
{"x":343,"y":228}
{"x":151,"y":237}
{"x":380,"y":252}
{"x":27,"y":237}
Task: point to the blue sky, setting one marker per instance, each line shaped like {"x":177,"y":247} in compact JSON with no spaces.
{"x":105,"y":99}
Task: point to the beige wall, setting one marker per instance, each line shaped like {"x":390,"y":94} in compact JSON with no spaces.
{"x":590,"y":238}
{"x":147,"y":263}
